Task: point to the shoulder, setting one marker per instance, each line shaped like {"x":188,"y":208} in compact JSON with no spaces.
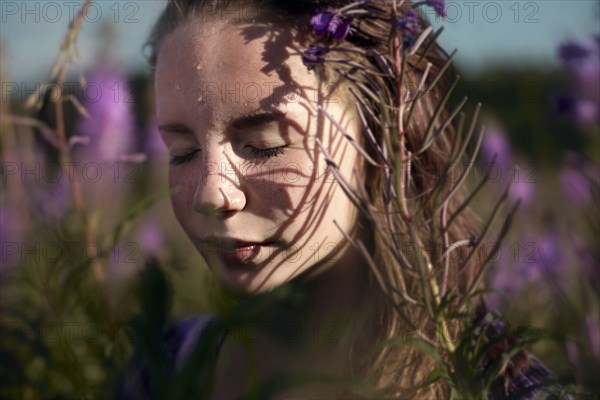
{"x":520,"y":377}
{"x":524,"y":377}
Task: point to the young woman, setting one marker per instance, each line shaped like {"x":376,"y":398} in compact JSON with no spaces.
{"x":266,"y":156}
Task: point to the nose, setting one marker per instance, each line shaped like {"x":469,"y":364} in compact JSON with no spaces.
{"x":218,"y":192}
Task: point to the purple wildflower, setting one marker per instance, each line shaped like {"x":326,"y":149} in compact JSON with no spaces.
{"x":527,"y":259}
{"x":587,"y":111}
{"x":572,"y":51}
{"x":496,"y":153}
{"x":551,"y":255}
{"x":320,"y":22}
{"x":586,"y":76}
{"x":439,"y":6}
{"x":511,"y":262}
{"x":331,"y":22}
{"x":339,"y":27}
{"x":314,"y":56}
{"x":409,"y":26}
{"x":151,"y":238}
{"x":495,"y":144}
{"x":584,"y":111}
{"x":532,"y":260}
{"x":523,"y":190}
{"x":583,"y":61}
{"x":111,"y":122}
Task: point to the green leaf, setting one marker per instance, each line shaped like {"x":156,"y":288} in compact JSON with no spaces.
{"x":435,"y":375}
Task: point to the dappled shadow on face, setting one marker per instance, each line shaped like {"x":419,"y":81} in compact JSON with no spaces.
{"x":306,"y":214}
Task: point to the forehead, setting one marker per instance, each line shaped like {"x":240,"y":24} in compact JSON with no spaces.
{"x":216,"y":60}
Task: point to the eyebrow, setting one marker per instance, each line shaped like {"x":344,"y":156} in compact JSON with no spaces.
{"x":256,"y":118}
{"x":175,"y":127}
{"x":243,"y":121}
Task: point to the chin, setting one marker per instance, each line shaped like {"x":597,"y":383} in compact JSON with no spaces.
{"x":247,"y":282}
{"x":253,"y":276}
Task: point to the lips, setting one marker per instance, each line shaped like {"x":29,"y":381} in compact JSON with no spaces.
{"x":241,"y":254}
{"x":233,"y":251}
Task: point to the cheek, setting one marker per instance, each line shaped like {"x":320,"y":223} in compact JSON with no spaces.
{"x":280,"y":185}
{"x":298,"y":181}
{"x":183,"y":187}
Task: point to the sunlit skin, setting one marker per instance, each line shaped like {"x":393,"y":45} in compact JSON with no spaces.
{"x":262,"y":180}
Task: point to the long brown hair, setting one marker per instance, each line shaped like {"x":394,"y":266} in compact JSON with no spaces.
{"x":397,"y":371}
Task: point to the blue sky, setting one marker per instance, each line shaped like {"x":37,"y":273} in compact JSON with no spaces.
{"x":487,"y":33}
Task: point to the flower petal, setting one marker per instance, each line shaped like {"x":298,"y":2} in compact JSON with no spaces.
{"x":339,"y":27}
{"x":320,"y":22}
{"x":313,"y":56}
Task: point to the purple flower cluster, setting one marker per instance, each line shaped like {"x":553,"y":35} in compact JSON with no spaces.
{"x":110,"y":126}
{"x":582,"y":60}
{"x":331,"y":22}
{"x":496,"y":153}
{"x":314,"y":56}
{"x":439,"y":6}
{"x":495,"y":148}
{"x":576,"y":180}
{"x":151,"y":238}
{"x":410,"y":27}
{"x":326,"y":24}
{"x":533,"y":259}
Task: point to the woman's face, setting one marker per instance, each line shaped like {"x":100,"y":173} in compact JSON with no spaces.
{"x":237,"y":110}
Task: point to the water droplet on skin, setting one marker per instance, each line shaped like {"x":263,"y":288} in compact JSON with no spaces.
{"x":200,"y":99}
{"x":199,"y":67}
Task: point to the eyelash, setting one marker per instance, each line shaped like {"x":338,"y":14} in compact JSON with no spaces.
{"x":267,"y":153}
{"x":178,"y":160}
{"x":258,"y":153}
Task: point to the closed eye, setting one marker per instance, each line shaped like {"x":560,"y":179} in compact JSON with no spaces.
{"x":178,"y":160}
